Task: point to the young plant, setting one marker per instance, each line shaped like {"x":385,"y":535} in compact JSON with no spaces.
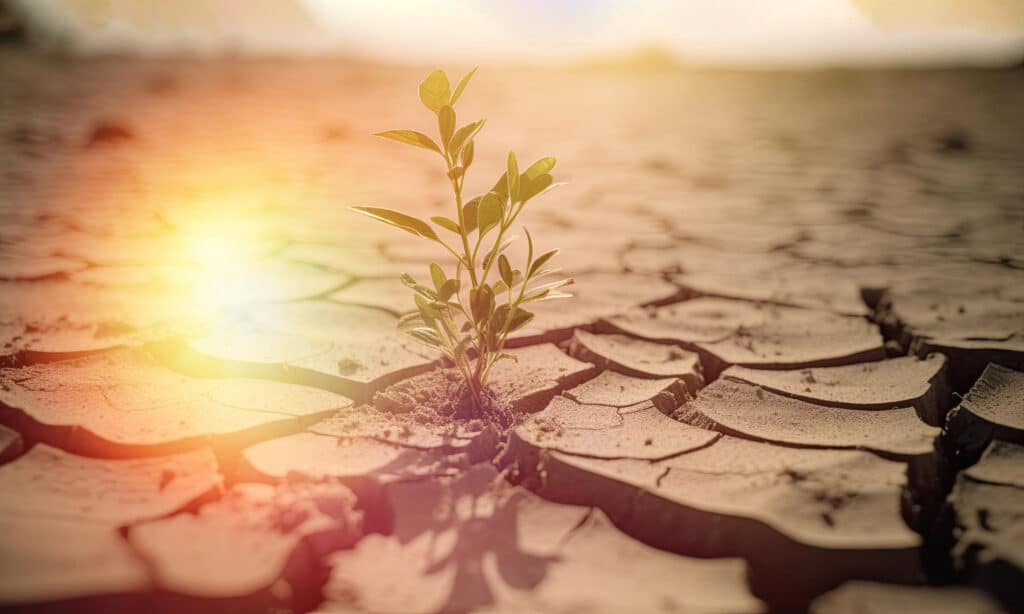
{"x":470,"y":322}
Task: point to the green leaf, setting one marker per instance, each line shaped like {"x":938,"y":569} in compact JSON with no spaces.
{"x":410,"y":321}
{"x":446,"y":223}
{"x":410,"y":137}
{"x":408,"y":280}
{"x":435,"y":91}
{"x":505,"y":270}
{"x":456,"y":172}
{"x":467,"y":155}
{"x":437,"y":275}
{"x":470,"y":213}
{"x":511,"y":357}
{"x":446,"y":329}
{"x":554,"y":295}
{"x":492,"y":210}
{"x":488,"y":296}
{"x":425,"y":292}
{"x":465,"y":135}
{"x":425,"y":329}
{"x":500,"y":286}
{"x":408,"y":318}
{"x":501,"y":187}
{"x":546,"y":291}
{"x":545,"y":271}
{"x":535,"y":296}
{"x":540,"y":167}
{"x":540,"y":261}
{"x":462,"y":85}
{"x":520,"y":319}
{"x":490,"y":338}
{"x":554,"y":285}
{"x":426,"y":337}
{"x":446,"y":124}
{"x":449,"y":289}
{"x":500,"y":315}
{"x":549,"y":188}
{"x":544,"y":295}
{"x":427,"y":311}
{"x":481,"y":302}
{"x":533,"y":187}
{"x":398,"y":219}
{"x":529,"y":246}
{"x":512,"y":176}
{"x":460,"y":347}
{"x":536,"y":179}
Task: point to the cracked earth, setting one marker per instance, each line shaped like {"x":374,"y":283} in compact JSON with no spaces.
{"x":792,"y":377}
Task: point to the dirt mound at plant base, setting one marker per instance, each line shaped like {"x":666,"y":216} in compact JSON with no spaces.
{"x":438,"y":396}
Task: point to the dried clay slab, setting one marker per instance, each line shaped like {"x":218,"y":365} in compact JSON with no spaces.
{"x":245,"y":545}
{"x":594,"y":296}
{"x":319,"y":456}
{"x":10,"y":444}
{"x":989,"y":534}
{"x":47,"y":560}
{"x":998,"y":397}
{"x":354,"y":350}
{"x":383,"y":294}
{"x":798,"y":286}
{"x":885,"y":384}
{"x":125,"y":403}
{"x":749,"y":411}
{"x":618,"y":390}
{"x":638,"y":358}
{"x":55,"y":319}
{"x":62,"y":520}
{"x":56,"y":484}
{"x":831,"y":515}
{"x":879,"y":598}
{"x":475,"y":543}
{"x":757,"y":335}
{"x":1001,"y":463}
{"x":970,"y":313}
{"x":992,"y":409}
{"x":603,"y":431}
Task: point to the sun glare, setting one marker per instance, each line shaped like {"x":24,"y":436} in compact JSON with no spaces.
{"x":226,"y":259}
{"x":218,"y":250}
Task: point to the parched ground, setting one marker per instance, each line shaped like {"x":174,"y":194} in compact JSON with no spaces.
{"x":791,"y":377}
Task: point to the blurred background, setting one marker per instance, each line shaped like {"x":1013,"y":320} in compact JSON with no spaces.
{"x":728,"y":32}
{"x":163,"y":162}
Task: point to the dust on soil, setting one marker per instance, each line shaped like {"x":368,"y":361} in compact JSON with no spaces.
{"x":441,"y":397}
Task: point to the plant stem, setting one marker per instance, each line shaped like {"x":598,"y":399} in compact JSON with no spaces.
{"x":497,"y":242}
{"x":473,"y":379}
{"x":457,"y":188}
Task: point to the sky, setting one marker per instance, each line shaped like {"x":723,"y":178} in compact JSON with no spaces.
{"x":730,"y":32}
